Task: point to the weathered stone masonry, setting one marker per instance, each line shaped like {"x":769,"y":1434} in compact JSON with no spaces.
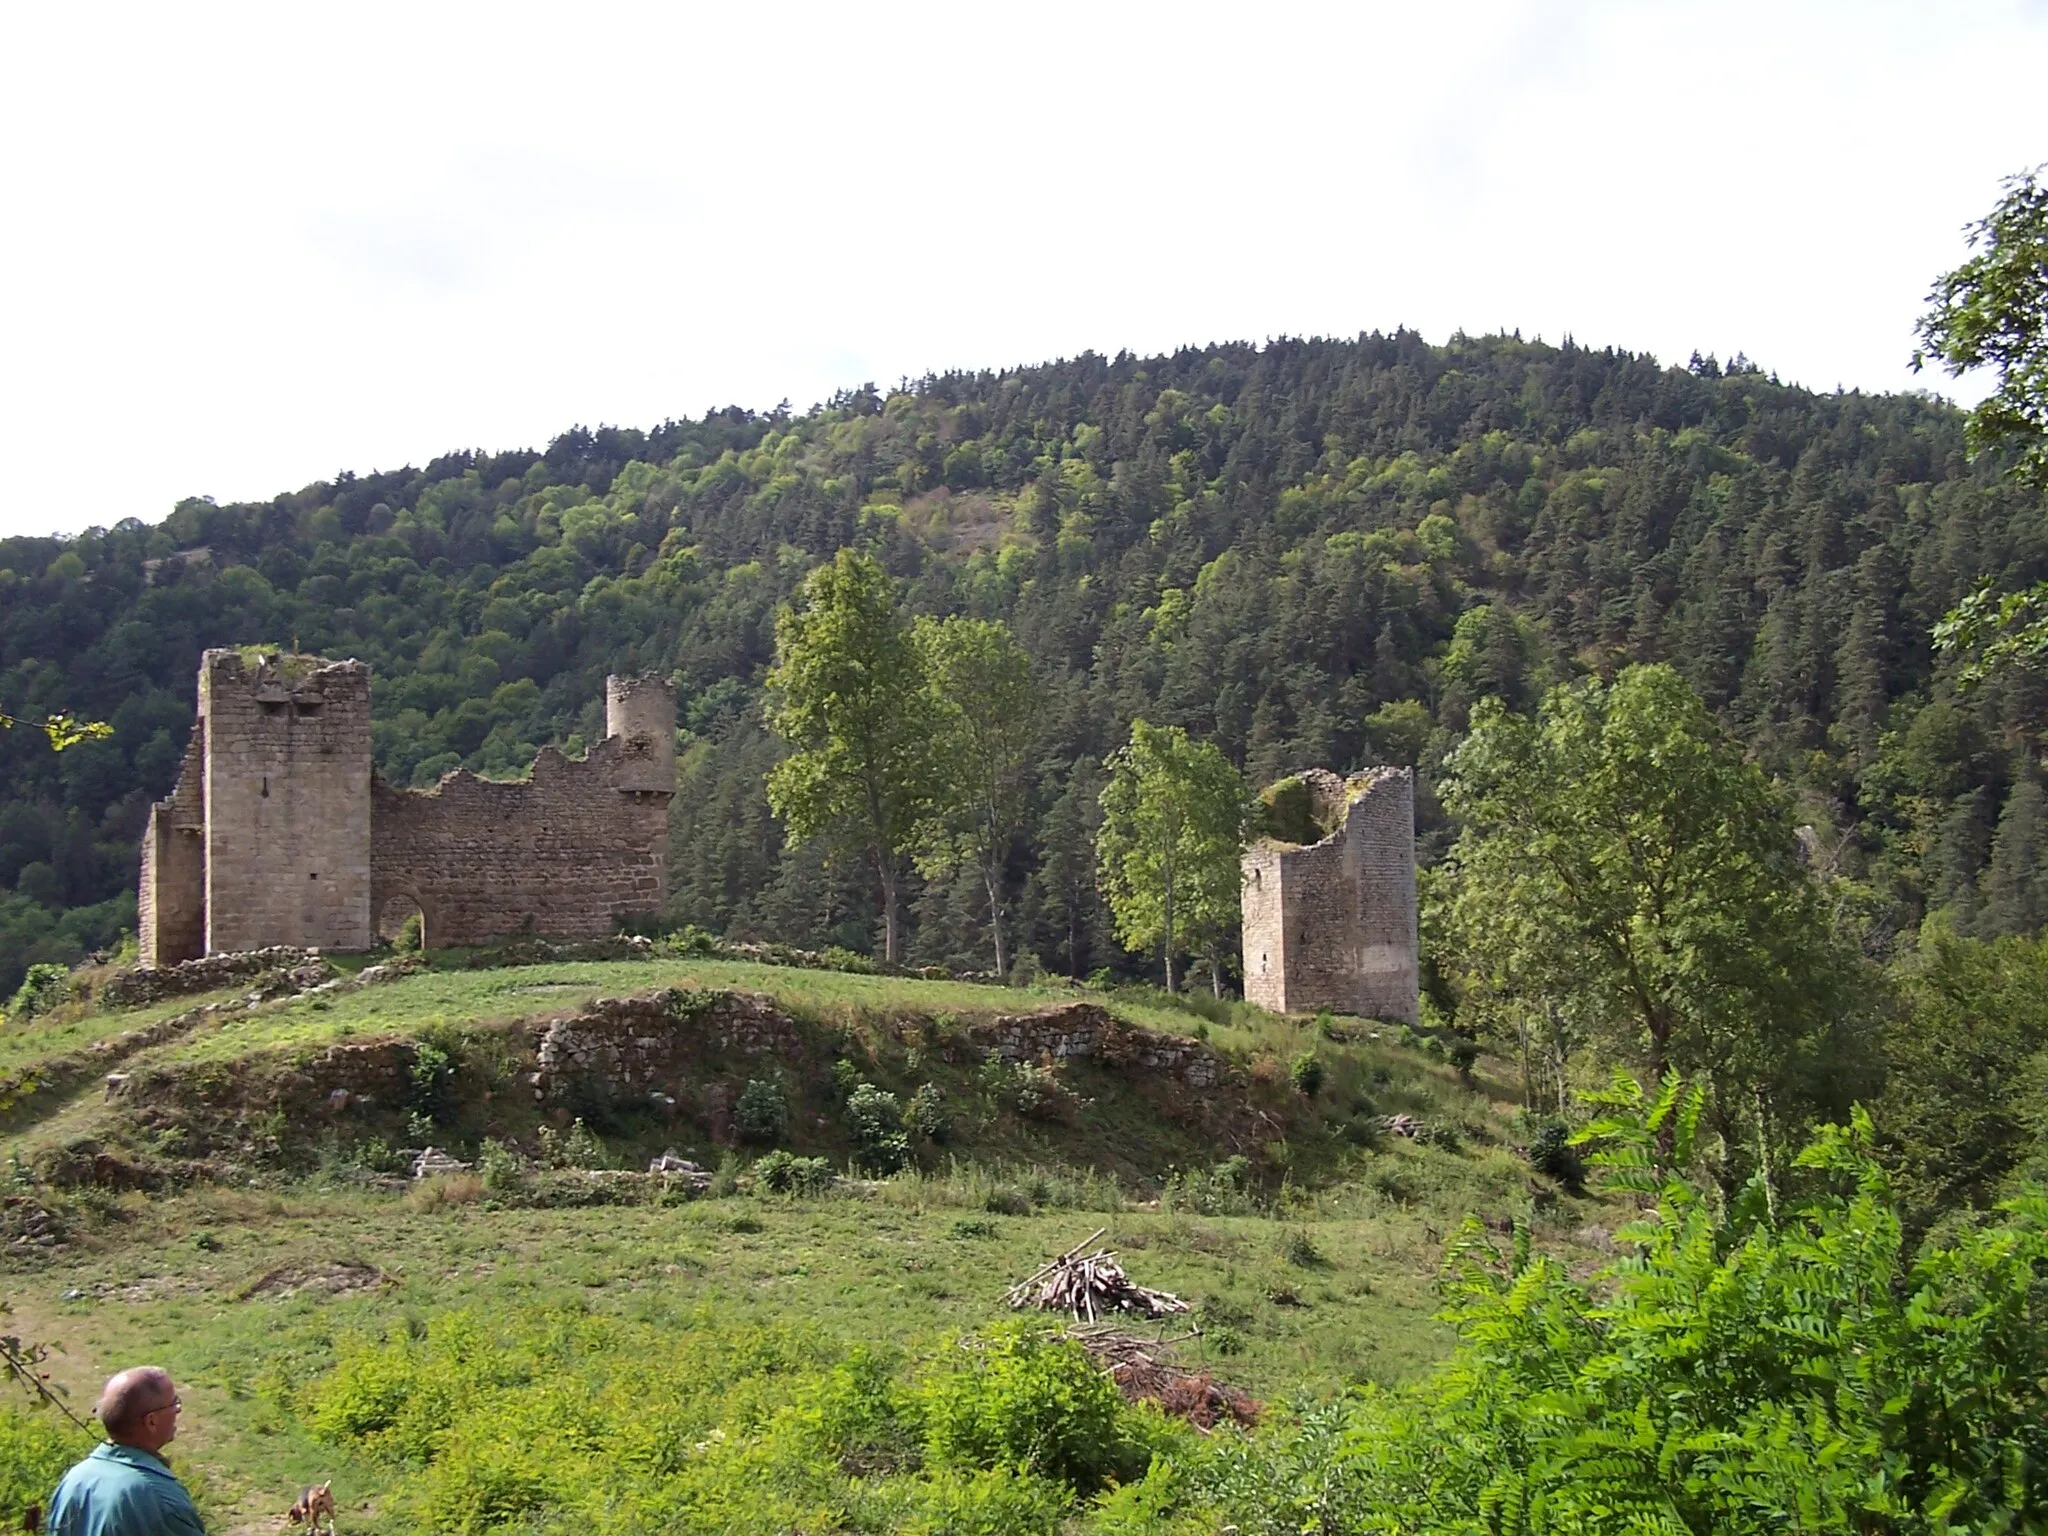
{"x":1333,"y":925}
{"x":279,"y":833}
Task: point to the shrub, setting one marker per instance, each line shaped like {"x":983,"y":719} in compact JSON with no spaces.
{"x":1307,"y":1073}
{"x":579,"y":1147}
{"x":1299,"y":1248}
{"x":1031,"y":1400}
{"x":44,"y":987}
{"x":875,"y":1120}
{"x":410,"y":934}
{"x":1224,"y":1190}
{"x":926,"y":1115}
{"x":783,"y":1173}
{"x":35,"y":1449}
{"x":501,"y":1168}
{"x":845,"y":1079}
{"x":1551,"y":1152}
{"x":430,"y":1094}
{"x":762,"y":1115}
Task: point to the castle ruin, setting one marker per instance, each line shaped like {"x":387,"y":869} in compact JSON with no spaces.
{"x":280,"y":832}
{"x":1329,"y":920}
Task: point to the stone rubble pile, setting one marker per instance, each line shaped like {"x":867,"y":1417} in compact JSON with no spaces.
{"x":152,"y":984}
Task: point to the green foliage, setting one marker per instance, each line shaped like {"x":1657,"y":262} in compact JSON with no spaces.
{"x":1992,"y":312}
{"x":431,"y":1095}
{"x":1551,"y":1152}
{"x":783,"y":1173}
{"x":926,"y":1115}
{"x":1173,"y":827}
{"x":1753,"y":1368}
{"x":43,"y":988}
{"x":36,"y":1448}
{"x":1308,"y":1074}
{"x":1272,"y":546}
{"x":1287,"y":812}
{"x":564,"y":1420}
{"x":988,"y":716}
{"x":761,"y":1117}
{"x":500,"y":1167}
{"x":1966,"y":1061}
{"x":1033,"y":1401}
{"x":1623,"y":874}
{"x":874,"y":1120}
{"x":854,"y":701}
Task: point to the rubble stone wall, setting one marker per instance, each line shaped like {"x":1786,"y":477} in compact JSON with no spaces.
{"x":170,"y":906}
{"x":1333,"y":925}
{"x":565,"y":854}
{"x":277,"y":834}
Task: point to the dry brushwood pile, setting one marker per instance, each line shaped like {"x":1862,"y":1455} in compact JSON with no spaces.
{"x":1145,"y":1371}
{"x":1087,"y":1285}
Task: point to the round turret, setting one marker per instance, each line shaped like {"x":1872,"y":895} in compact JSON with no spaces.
{"x":641,"y":711}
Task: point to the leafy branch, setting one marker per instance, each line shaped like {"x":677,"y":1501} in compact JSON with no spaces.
{"x":63,"y":729}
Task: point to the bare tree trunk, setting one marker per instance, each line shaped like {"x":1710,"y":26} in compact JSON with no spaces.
{"x":892,"y":941}
{"x":992,"y":878}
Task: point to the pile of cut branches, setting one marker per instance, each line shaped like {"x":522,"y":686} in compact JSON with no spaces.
{"x":1145,"y":1371}
{"x":1087,"y":1285}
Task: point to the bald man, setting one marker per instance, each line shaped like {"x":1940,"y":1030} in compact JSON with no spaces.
{"x":125,"y":1488}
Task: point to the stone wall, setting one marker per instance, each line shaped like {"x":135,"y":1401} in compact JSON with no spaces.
{"x":1090,"y":1032}
{"x":170,"y":905}
{"x":566,"y":854}
{"x":628,"y":1049}
{"x":277,"y":835}
{"x":287,"y":790}
{"x":1333,"y":925}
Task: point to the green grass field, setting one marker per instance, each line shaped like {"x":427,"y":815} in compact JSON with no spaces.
{"x":1320,"y":1277}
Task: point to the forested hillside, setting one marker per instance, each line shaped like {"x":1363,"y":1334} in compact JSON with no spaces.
{"x":1312,"y":552}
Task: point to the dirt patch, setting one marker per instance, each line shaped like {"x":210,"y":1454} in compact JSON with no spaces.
{"x":335,"y":1278}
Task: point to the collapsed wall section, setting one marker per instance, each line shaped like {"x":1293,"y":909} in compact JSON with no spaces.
{"x":170,"y":903}
{"x":1333,"y":925}
{"x":565,"y":854}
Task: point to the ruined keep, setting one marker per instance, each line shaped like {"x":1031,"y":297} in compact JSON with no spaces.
{"x":1329,"y":919}
{"x":279,"y":831}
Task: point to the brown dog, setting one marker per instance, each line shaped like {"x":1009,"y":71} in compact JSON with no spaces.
{"x":315,"y":1509}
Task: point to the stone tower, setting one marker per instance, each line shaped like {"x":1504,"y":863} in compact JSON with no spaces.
{"x":278,"y":832}
{"x":640,"y":712}
{"x":266,"y":839}
{"x":1331,"y":924}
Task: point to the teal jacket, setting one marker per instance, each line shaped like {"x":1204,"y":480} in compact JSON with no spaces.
{"x":121,"y":1491}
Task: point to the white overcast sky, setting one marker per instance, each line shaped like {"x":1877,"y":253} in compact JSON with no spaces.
{"x":245,"y":248}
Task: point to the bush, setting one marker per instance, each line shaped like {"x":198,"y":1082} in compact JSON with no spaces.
{"x":875,"y":1120}
{"x":501,"y":1168}
{"x":578,"y":1148}
{"x":1031,"y":1400}
{"x":1551,"y":1152}
{"x":35,"y":1449}
{"x":762,"y":1115}
{"x":1307,"y":1073}
{"x":783,"y":1173}
{"x":926,"y":1114}
{"x":430,"y":1095}
{"x":1224,"y":1190}
{"x":44,"y":987}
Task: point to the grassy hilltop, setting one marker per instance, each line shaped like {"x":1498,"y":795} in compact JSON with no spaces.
{"x":268,"y":1257}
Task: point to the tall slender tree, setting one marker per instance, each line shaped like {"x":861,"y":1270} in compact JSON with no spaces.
{"x":1173,"y":829}
{"x":988,"y":707}
{"x":852,"y":697}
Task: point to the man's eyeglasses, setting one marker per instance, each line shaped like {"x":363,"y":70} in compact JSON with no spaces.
{"x":175,"y":1405}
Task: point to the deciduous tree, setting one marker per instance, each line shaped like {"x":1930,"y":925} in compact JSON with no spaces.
{"x":1622,"y":865}
{"x":852,"y":697}
{"x":988,"y":703}
{"x":1173,"y":826}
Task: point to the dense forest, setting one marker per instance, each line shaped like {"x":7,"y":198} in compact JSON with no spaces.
{"x":1309,"y":552}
